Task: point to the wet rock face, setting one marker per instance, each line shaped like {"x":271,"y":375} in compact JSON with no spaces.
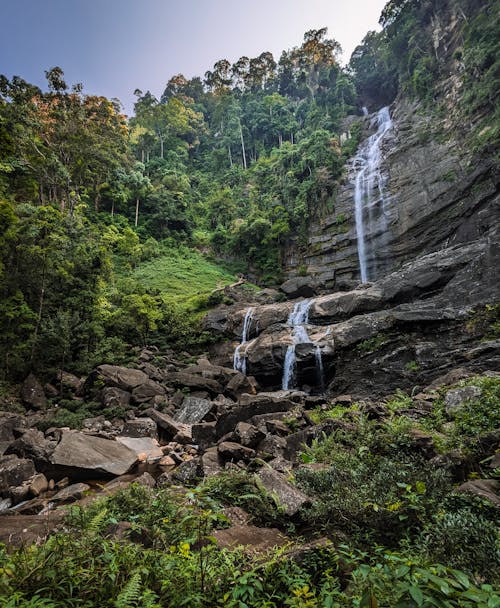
{"x":436,"y":196}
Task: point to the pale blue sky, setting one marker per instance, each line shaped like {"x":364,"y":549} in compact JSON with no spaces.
{"x":116,"y":46}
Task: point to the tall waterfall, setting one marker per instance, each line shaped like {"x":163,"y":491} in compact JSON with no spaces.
{"x":369,"y":197}
{"x":296,"y":320}
{"x":239,"y":359}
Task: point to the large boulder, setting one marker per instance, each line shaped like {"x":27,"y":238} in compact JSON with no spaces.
{"x":289,"y":497}
{"x":32,"y":393}
{"x":14,"y":472}
{"x":123,"y":377}
{"x":193,"y":410}
{"x":301,"y":287}
{"x":77,"y":454}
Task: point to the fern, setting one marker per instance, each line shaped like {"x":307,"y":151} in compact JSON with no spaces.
{"x":131,"y":593}
{"x":96,"y":523}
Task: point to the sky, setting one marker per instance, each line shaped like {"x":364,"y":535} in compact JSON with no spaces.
{"x":116,"y":46}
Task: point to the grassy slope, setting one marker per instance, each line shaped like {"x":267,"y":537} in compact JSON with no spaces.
{"x":181,"y":274}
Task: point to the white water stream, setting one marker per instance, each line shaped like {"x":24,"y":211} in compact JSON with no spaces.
{"x":369,"y":197}
{"x":239,"y":358}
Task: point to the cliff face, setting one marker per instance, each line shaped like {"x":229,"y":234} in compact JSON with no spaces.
{"x":438,"y":191}
{"x":436,"y":196}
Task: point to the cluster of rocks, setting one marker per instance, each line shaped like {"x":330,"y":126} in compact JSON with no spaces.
{"x":400,"y":331}
{"x":182,"y":438}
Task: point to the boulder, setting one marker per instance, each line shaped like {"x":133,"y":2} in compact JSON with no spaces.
{"x":456,"y":398}
{"x":181,"y":432}
{"x":32,"y":393}
{"x":68,"y":381}
{"x":203,"y":434}
{"x":301,"y":287}
{"x":252,"y":539}
{"x":38,"y":484}
{"x":122,"y":377}
{"x":240,"y":384}
{"x":488,"y":489}
{"x":71,"y":493}
{"x":229,"y":450}
{"x":112,"y":396}
{"x":140,"y":427}
{"x":32,"y":444}
{"x":211,"y":463}
{"x":147,"y":390}
{"x":187,"y":472}
{"x":248,"y":434}
{"x":90,"y":455}
{"x":194,"y":382}
{"x":193,"y":410}
{"x":251,"y":405}
{"x":289,"y":497}
{"x":14,"y":472}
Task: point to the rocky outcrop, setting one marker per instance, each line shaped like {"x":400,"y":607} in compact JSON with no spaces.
{"x":402,"y":330}
{"x":437,"y":195}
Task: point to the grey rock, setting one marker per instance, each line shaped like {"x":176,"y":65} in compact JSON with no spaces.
{"x":122,"y":377}
{"x":112,"y":396}
{"x":181,"y":432}
{"x":229,"y":450}
{"x":301,"y":287}
{"x":71,"y":493}
{"x":147,"y":391}
{"x":187,"y":472}
{"x":193,"y":410}
{"x":194,"y":382}
{"x":85,"y":453}
{"x":290,"y":497}
{"x":32,"y":393}
{"x":211,"y":463}
{"x":203,"y":434}
{"x":145,"y":448}
{"x":248,"y":434}
{"x":14,"y":472}
{"x":140,"y":427}
{"x":456,"y":398}
{"x":488,"y":489}
{"x":38,"y":484}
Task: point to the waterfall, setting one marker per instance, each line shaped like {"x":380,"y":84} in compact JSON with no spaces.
{"x":240,"y":360}
{"x":296,"y":320}
{"x":320,"y":368}
{"x":369,"y":193}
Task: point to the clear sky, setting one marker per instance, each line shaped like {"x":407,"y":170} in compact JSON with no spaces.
{"x":116,"y":46}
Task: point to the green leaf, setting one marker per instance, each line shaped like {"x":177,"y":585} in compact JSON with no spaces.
{"x":402,"y":571}
{"x":416,"y":595}
{"x":461,"y":578}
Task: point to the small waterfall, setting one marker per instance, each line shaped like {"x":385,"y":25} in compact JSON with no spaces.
{"x":369,"y":193}
{"x":296,"y":320}
{"x":319,"y":367}
{"x":239,"y":359}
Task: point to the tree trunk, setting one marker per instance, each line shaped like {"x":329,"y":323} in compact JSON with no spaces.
{"x":230,"y":156}
{"x":136,"y":212}
{"x":243,"y":153}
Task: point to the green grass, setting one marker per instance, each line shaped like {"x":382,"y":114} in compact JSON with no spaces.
{"x":182,"y":274}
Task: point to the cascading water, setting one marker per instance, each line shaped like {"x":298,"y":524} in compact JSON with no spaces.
{"x":369,"y":198}
{"x":239,"y":359}
{"x":296,"y":320}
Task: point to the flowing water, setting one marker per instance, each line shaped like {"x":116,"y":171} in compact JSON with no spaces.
{"x":239,"y":358}
{"x":369,"y":197}
{"x":297,"y":319}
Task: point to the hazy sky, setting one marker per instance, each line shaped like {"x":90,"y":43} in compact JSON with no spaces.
{"x":116,"y":46}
